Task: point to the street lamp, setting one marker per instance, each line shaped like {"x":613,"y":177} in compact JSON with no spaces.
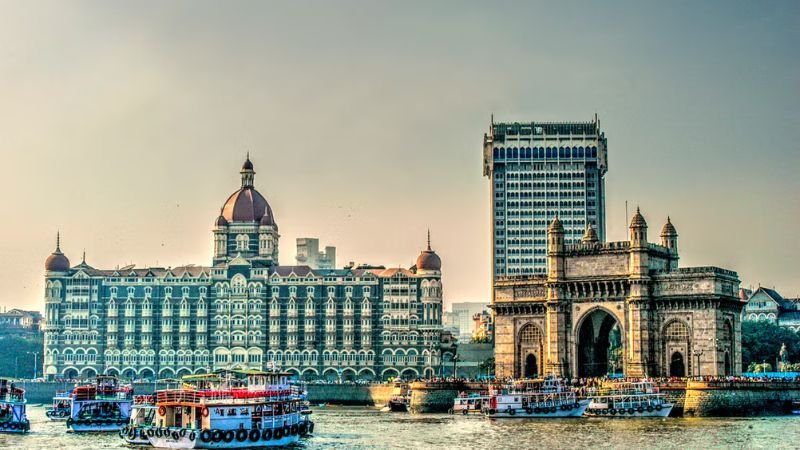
{"x":455,"y":365}
{"x":35,"y":362}
{"x":697,"y":354}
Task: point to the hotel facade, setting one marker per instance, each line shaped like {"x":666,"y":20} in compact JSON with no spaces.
{"x":243,"y":311}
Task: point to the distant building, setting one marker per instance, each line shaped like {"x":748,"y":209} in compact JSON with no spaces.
{"x":538,"y":171}
{"x":20,"y":318}
{"x":482,"y":326}
{"x":460,"y":318}
{"x":308,"y":254}
{"x":768,"y":305}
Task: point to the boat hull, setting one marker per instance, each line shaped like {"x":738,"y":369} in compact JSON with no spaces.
{"x":20,"y":428}
{"x":664,"y":411}
{"x":194,"y":440}
{"x":552,"y":412}
{"x":398,"y":407}
{"x":78,"y":427}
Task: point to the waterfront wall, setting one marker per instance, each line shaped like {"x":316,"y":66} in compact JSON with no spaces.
{"x":344,"y":394}
{"x":704,"y":399}
{"x":438,"y":397}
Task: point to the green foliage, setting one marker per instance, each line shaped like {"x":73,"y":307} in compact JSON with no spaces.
{"x":487,"y":365}
{"x":761,"y":342}
{"x":481,"y":340}
{"x":16,"y":358}
{"x":759,"y":368}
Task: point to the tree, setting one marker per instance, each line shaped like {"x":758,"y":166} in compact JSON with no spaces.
{"x":487,"y":366}
{"x":761,"y":342}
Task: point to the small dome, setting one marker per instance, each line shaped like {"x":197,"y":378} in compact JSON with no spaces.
{"x":638,"y":220}
{"x":555,"y":226}
{"x":668,"y":229}
{"x":267,"y":219}
{"x":590,"y":236}
{"x":57,"y":261}
{"x":429,"y":260}
{"x":247,"y":164}
{"x":221,"y":221}
{"x":742,"y":295}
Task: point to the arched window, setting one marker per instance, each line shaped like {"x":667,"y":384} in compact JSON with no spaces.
{"x":530,"y":335}
{"x":242,"y":242}
{"x":676,"y":331}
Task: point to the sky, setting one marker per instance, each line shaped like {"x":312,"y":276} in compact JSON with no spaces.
{"x":124,"y":126}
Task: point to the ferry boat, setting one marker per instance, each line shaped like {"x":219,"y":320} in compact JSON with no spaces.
{"x":13,"y":418}
{"x":469,"y":404}
{"x":104,"y":405}
{"x":547,"y":398}
{"x":143,"y":414}
{"x":399,"y":402}
{"x":629,"y":399}
{"x":61,"y":406}
{"x":230,"y":409}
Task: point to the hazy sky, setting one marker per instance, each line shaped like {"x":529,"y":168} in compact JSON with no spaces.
{"x":124,"y":125}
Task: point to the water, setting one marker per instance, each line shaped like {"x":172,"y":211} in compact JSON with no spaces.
{"x":365,"y":428}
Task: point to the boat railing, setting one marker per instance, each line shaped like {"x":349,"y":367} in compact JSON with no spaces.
{"x":192,"y":396}
{"x":17,"y":397}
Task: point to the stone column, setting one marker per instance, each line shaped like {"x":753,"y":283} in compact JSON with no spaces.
{"x":558,"y":332}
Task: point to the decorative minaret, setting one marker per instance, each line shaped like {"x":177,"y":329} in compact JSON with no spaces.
{"x":639,"y":355}
{"x":556,"y":314}
{"x":639,"y":266}
{"x":669,"y":239}
{"x":248,"y":174}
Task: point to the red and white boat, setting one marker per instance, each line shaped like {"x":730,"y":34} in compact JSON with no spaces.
{"x":230,"y":409}
{"x":547,"y":398}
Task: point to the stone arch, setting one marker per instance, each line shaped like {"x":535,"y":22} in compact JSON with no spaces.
{"x":600,"y":343}
{"x":366,"y":374}
{"x":70,"y":373}
{"x":349,"y":374}
{"x":530,"y":351}
{"x":88,"y":372}
{"x":676,"y":340}
{"x":409,"y":373}
{"x":391,"y":372}
{"x":330,"y":374}
{"x":147,"y":374}
{"x":309,"y":374}
{"x":166,"y":372}
{"x":111,"y":371}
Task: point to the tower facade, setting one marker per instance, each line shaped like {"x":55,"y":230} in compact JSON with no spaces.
{"x":538,"y":171}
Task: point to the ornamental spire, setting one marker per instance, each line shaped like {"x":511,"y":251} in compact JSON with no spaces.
{"x":58,"y":241}
{"x":248,"y":174}
{"x":429,"y":239}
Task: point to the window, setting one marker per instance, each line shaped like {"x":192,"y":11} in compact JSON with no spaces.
{"x":242,"y":242}
{"x":676,"y":331}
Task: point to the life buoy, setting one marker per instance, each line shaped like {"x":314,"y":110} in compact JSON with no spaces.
{"x":303,"y":428}
{"x":649,"y":408}
{"x":205,"y":435}
{"x":241,"y":435}
{"x":267,"y":435}
{"x":162,"y":411}
{"x":150,"y":432}
{"x":612,"y":411}
{"x":192,"y":436}
{"x":255,"y":435}
{"x":658,"y":407}
{"x":216,"y":435}
{"x":157,"y":432}
{"x":564,"y":407}
{"x":278,"y":433}
{"x":464,"y":412}
{"x":131,"y":433}
{"x":286,"y":430}
{"x":228,"y":436}
{"x":183,"y":432}
{"x":511,"y":411}
{"x":205,"y":411}
{"x":311,"y":427}
{"x":630,"y":411}
{"x":175,"y":435}
{"x":640,"y":409}
{"x":295,"y":429}
{"x":492,"y":411}
{"x":537,"y":410}
{"x":13,"y":425}
{"x":528,"y":410}
{"x":552,"y":409}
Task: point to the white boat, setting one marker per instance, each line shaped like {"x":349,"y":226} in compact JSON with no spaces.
{"x":61,"y":407}
{"x":230,"y":409}
{"x":469,"y":404}
{"x":104,"y":405}
{"x":142,"y":414}
{"x":13,"y":417}
{"x":628,"y":399}
{"x":547,"y":398}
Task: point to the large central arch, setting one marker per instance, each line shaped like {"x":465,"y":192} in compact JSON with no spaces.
{"x":530,"y":352}
{"x":599,"y":345}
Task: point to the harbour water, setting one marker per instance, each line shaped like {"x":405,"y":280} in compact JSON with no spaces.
{"x":367,"y":428}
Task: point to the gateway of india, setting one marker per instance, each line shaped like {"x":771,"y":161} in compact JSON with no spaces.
{"x":617,"y":308}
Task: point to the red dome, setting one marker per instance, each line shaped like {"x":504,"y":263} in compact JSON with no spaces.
{"x":429,"y":260}
{"x":247,"y":205}
{"x":56,"y":262}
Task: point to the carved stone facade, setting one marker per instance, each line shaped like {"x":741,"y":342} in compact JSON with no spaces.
{"x":618,"y":307}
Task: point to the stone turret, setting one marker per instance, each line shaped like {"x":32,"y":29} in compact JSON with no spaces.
{"x":555,"y":250}
{"x":590,"y":236}
{"x":669,"y":239}
{"x":639,"y":264}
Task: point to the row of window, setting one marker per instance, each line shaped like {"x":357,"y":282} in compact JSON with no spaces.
{"x":544,"y":152}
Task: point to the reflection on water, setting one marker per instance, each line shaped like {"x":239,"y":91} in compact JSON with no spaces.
{"x":363,"y":428}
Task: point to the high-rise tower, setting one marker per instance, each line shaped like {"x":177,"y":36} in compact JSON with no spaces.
{"x":539,"y":171}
